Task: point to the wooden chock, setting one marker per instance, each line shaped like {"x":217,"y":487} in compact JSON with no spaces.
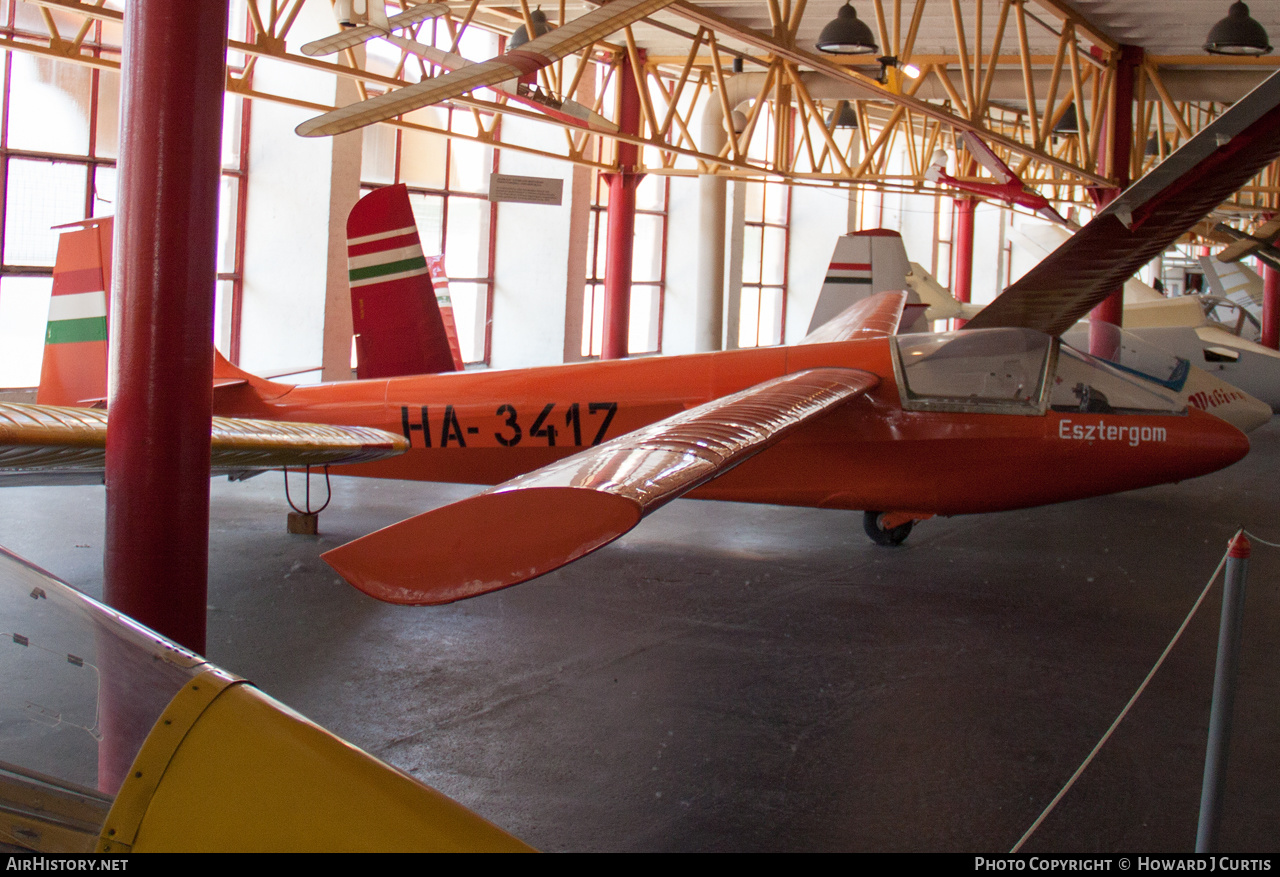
{"x":304,"y":523}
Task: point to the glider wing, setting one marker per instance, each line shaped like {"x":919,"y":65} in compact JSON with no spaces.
{"x":538,"y":522}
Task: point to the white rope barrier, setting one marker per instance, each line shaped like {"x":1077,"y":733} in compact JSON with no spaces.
{"x":1141,"y":688}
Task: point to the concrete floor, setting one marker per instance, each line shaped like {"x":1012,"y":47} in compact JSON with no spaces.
{"x":745,"y":678}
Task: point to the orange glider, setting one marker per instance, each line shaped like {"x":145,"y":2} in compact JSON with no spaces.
{"x":851,"y":421}
{"x":851,"y":418}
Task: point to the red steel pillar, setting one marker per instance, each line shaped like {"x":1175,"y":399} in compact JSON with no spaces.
{"x":1119,"y":162}
{"x":621,"y":214}
{"x":962,"y":286}
{"x":1270,"y":307}
{"x":160,"y":396}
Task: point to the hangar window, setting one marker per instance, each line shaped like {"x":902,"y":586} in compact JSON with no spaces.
{"x":59,"y":142}
{"x":58,"y":149}
{"x":762,"y":313}
{"x":648,"y":268}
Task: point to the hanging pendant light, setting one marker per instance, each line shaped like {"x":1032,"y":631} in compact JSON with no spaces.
{"x":521,"y":36}
{"x":846,"y":34}
{"x":1069,"y":123}
{"x":1237,"y":34}
{"x":843,"y":116}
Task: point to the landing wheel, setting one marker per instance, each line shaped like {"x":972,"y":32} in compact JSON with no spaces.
{"x":879,"y":535}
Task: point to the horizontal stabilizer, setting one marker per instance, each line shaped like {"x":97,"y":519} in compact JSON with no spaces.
{"x":538,"y":522}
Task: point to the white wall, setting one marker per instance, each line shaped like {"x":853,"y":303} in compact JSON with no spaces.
{"x":680,"y":306}
{"x":987,"y":240}
{"x":818,"y":217}
{"x":531,"y":267}
{"x":288,"y":219}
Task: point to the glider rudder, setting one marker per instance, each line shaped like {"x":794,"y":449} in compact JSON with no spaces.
{"x":397,"y":322}
{"x":74,"y":370}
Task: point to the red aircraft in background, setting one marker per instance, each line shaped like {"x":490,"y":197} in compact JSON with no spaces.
{"x":851,"y":418}
{"x":1007,"y":187}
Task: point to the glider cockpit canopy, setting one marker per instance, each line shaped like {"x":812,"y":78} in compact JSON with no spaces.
{"x":1014,"y":371}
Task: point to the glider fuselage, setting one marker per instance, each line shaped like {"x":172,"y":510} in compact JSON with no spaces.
{"x":486,"y":427}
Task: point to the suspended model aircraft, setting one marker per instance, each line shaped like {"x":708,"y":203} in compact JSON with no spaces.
{"x":1007,"y":187}
{"x":1261,"y":244}
{"x":847,"y":420}
{"x":523,"y":89}
{"x":514,"y":67}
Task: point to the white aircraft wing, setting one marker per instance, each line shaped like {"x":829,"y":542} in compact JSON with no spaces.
{"x":538,"y":522}
{"x":532,"y":56}
{"x":359,"y":35}
{"x":450,"y":61}
{"x":987,"y":158}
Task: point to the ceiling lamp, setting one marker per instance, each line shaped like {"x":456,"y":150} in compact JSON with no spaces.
{"x":1237,"y":34}
{"x":540,"y":26}
{"x":846,"y":35}
{"x":843,"y":116}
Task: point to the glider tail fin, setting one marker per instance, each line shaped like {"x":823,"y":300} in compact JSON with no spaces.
{"x":863,"y":263}
{"x":440,"y":283}
{"x":937,"y":169}
{"x":74,"y":371}
{"x":397,"y":321}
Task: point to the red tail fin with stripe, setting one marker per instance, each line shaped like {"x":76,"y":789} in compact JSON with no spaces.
{"x":74,"y":371}
{"x":397,"y":322}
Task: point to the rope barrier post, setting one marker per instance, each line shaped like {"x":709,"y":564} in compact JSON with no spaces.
{"x":1224,"y":681}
